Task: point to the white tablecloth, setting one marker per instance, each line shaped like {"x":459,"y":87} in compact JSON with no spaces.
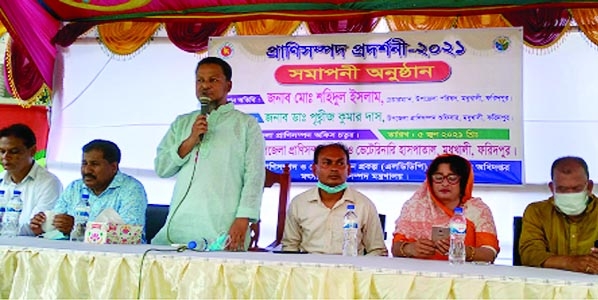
{"x":34,"y":268}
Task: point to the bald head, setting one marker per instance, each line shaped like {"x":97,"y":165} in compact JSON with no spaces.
{"x":570,"y":175}
{"x":569,"y":165}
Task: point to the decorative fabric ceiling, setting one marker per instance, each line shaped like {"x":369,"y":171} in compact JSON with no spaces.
{"x":111,"y":10}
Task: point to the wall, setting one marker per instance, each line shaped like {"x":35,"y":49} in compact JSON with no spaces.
{"x":132,"y":101}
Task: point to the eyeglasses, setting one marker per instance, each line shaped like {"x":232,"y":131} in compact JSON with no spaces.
{"x":451,"y":178}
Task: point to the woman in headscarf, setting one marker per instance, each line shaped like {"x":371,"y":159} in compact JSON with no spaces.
{"x":449,"y":184}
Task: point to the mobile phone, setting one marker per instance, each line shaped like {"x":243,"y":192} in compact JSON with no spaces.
{"x":440,"y":233}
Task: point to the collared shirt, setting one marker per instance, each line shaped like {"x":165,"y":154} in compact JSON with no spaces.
{"x":312,"y":227}
{"x":125,"y":195}
{"x":39,"y":191}
{"x":546,"y":232}
{"x":221,"y":179}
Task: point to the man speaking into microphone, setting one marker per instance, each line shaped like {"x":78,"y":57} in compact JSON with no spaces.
{"x":217,"y":156}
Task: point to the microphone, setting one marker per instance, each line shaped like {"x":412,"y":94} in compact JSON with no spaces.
{"x":205,"y":109}
{"x":205,"y":104}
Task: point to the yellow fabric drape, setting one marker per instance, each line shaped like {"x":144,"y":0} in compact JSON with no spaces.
{"x":266,"y":27}
{"x":404,"y":23}
{"x":124,"y":38}
{"x":31,"y":273}
{"x":586,"y":20}
{"x":481,"y":21}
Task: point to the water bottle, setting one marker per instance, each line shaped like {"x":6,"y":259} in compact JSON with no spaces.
{"x":458,"y":228}
{"x":81,"y":216}
{"x":2,"y":207}
{"x":350,"y":227}
{"x":12,"y":213}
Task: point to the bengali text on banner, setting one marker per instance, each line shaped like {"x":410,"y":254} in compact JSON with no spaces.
{"x":396,"y":100}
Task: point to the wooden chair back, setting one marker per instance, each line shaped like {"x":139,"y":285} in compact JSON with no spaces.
{"x":284,"y":181}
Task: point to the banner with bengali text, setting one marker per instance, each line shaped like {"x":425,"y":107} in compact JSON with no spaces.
{"x":396,"y":100}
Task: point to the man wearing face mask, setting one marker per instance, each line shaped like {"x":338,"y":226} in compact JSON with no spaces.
{"x":315,"y":217}
{"x":559,"y":233}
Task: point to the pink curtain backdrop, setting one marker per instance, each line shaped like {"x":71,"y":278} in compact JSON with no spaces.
{"x":23,"y":80}
{"x":87,"y":9}
{"x":32,"y":26}
{"x":70,"y":32}
{"x":193,"y":37}
{"x":541,"y":26}
{"x":356,"y":24}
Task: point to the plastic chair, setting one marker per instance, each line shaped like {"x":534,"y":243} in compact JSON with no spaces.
{"x":383,"y":224}
{"x":517,"y":223}
{"x":155,"y":217}
{"x":284,"y":181}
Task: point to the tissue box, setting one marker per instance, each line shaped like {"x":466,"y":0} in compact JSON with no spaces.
{"x":109,"y":233}
{"x":96,"y":233}
{"x":124,"y":234}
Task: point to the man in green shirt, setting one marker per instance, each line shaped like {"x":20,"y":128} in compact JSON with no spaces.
{"x":560,"y":232}
{"x":218,"y":161}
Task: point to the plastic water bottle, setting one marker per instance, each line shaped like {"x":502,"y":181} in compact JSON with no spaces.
{"x":12,"y":213}
{"x":2,"y":207}
{"x":350,"y":227}
{"x":458,"y":228}
{"x":81,"y":217}
{"x":3,"y":203}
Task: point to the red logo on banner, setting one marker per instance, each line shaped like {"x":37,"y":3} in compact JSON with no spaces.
{"x":226,"y":50}
{"x":405,"y":72}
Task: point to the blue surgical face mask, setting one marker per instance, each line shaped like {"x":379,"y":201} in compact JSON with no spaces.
{"x":332,"y":189}
{"x":220,"y":243}
{"x":54,"y":235}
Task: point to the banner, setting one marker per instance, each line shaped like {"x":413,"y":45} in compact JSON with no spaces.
{"x":36,"y":117}
{"x":396,"y":100}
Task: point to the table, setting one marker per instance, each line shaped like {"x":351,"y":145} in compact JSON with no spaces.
{"x":39,"y":268}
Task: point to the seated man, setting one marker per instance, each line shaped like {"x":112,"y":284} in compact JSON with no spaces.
{"x":560,"y":232}
{"x":39,"y":188}
{"x":106,"y":187}
{"x":315,"y":217}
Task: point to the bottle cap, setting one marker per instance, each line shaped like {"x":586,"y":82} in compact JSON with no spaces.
{"x":351,"y":206}
{"x":192,"y":245}
{"x":85,"y":196}
{"x":15,"y":192}
{"x":458,"y":210}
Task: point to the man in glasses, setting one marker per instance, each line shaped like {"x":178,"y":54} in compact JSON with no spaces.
{"x":560,"y":232}
{"x":315,"y":217}
{"x":39,"y":188}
